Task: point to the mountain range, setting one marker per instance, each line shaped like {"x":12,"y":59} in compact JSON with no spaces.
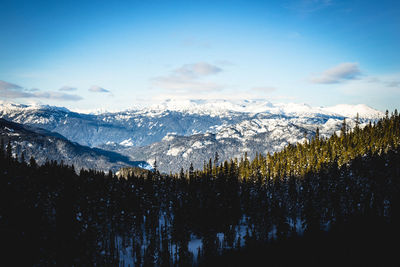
{"x":177,"y":133}
{"x":27,"y":141}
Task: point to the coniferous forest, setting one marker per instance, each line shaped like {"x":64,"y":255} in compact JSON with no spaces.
{"x":325,"y":202}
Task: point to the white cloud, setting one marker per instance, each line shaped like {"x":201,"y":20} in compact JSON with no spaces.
{"x":264,"y":89}
{"x":393,"y":83}
{"x":57,"y":96}
{"x":236,"y":95}
{"x":183,"y":85}
{"x":12,"y":91}
{"x":388,"y":80}
{"x":224,"y":62}
{"x":197,"y":70}
{"x":67,"y":88}
{"x":385,"y":84}
{"x":340,"y":73}
{"x":98,"y":89}
{"x":32,"y":89}
{"x":9,"y":86}
{"x":189,"y":78}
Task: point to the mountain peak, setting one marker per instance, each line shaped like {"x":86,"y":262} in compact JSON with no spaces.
{"x":221,"y":107}
{"x":4,"y":105}
{"x":351,"y":111}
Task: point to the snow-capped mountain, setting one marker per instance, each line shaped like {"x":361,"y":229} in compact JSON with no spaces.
{"x":179,"y":132}
{"x":225,"y":107}
{"x":44,"y":145}
{"x":261,"y":133}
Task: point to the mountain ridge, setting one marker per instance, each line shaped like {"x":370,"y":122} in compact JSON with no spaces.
{"x":177,"y":133}
{"x":44,"y":145}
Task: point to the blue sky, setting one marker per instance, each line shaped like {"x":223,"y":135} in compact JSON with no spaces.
{"x":116,"y":54}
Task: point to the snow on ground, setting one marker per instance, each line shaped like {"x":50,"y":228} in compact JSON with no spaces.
{"x":175,"y":151}
{"x":187,"y":153}
{"x":216,"y":107}
{"x":145,"y":166}
{"x":351,"y":111}
{"x":197,"y":145}
{"x":127,"y":143}
{"x":169,"y":137}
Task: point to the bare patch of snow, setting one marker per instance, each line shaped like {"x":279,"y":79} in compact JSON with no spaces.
{"x":175,"y":151}
{"x":127,"y":143}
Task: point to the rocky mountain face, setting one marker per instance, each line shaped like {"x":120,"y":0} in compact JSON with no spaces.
{"x":262,"y":133}
{"x":44,"y":145}
{"x":179,"y":133}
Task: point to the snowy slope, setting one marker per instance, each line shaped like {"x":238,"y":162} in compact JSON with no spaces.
{"x":224,"y":107}
{"x":44,"y":145}
{"x":179,"y":132}
{"x":351,"y":111}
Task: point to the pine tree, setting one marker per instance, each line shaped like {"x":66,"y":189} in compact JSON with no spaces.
{"x":155,"y":165}
{"x":216,"y":159}
{"x":22,"y":160}
{"x":191,"y":172}
{"x":32,"y":162}
{"x":357,"y":127}
{"x":9,"y":151}
{"x":2,"y":148}
{"x":343,"y":129}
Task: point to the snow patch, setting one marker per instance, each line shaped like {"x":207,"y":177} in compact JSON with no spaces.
{"x":145,"y":166}
{"x":127,"y":143}
{"x":169,"y":137}
{"x":351,"y":111}
{"x":175,"y":151}
{"x":197,"y":145}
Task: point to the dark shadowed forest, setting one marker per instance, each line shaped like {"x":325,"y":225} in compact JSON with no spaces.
{"x":326,"y":202}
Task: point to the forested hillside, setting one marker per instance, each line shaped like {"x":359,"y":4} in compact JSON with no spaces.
{"x":44,"y":146}
{"x":326,"y":202}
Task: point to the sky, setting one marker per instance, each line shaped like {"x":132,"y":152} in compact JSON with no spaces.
{"x":115,"y":55}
